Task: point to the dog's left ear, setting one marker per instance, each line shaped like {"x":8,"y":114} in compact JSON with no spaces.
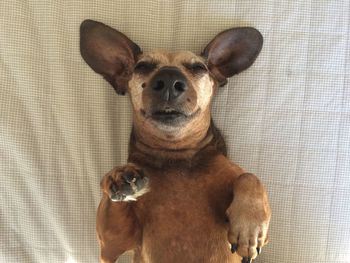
{"x":109,"y":53}
{"x":232,"y":51}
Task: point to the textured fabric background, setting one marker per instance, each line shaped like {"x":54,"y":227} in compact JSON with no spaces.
{"x":62,"y":127}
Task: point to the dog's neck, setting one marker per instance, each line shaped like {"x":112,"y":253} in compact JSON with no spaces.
{"x":166,"y":154}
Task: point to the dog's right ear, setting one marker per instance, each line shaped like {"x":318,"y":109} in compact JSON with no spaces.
{"x":109,"y":53}
{"x":232,"y":51}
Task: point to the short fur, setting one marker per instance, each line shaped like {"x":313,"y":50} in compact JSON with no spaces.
{"x":191,"y":202}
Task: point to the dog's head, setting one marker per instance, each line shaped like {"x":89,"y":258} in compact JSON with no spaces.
{"x":170,"y":92}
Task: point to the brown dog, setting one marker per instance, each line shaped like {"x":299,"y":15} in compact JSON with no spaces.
{"x":179,"y":199}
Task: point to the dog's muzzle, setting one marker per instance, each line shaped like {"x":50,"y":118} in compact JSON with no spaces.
{"x":168,"y":88}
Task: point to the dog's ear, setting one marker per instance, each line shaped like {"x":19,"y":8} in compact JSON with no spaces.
{"x":232,"y":51}
{"x":109,"y":53}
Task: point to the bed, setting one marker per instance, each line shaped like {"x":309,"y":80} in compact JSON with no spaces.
{"x":62,"y":127}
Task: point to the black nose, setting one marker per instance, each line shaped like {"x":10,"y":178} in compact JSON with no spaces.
{"x":169,"y":83}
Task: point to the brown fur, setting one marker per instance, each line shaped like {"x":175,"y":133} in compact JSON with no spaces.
{"x":197,"y":201}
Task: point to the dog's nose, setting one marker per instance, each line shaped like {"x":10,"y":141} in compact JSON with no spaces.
{"x":169,"y":83}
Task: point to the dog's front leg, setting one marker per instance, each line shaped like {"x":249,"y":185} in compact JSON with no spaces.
{"x":249,"y":215}
{"x":117,"y":226}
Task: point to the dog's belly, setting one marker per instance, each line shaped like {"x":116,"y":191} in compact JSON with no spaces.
{"x":184,"y":220}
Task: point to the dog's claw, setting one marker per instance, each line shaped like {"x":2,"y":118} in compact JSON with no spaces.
{"x":258,"y":249}
{"x":247,"y":260}
{"x":234,"y":248}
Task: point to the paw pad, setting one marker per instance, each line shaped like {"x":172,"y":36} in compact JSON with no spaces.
{"x":125,"y":183}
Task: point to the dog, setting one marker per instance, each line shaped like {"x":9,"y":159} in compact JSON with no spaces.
{"x":178,"y":199}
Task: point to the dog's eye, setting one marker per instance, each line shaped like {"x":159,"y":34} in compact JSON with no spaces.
{"x":144,"y":67}
{"x":196,"y":68}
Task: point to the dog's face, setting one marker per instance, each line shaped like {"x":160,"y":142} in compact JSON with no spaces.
{"x":170,"y":92}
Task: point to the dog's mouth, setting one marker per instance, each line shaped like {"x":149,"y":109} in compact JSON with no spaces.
{"x":169,"y":116}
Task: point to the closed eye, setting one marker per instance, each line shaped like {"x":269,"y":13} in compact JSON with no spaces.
{"x":196,"y":68}
{"x":144,"y":67}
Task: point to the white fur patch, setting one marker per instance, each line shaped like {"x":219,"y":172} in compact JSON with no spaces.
{"x":135,"y":90}
{"x":204,"y":91}
{"x":134,"y":197}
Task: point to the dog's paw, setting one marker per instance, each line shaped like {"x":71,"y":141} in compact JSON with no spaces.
{"x":249,"y":217}
{"x":247,"y":231}
{"x":125,"y":183}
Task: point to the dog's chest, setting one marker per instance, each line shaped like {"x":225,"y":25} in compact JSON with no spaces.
{"x":185,"y":212}
{"x":186,"y":198}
